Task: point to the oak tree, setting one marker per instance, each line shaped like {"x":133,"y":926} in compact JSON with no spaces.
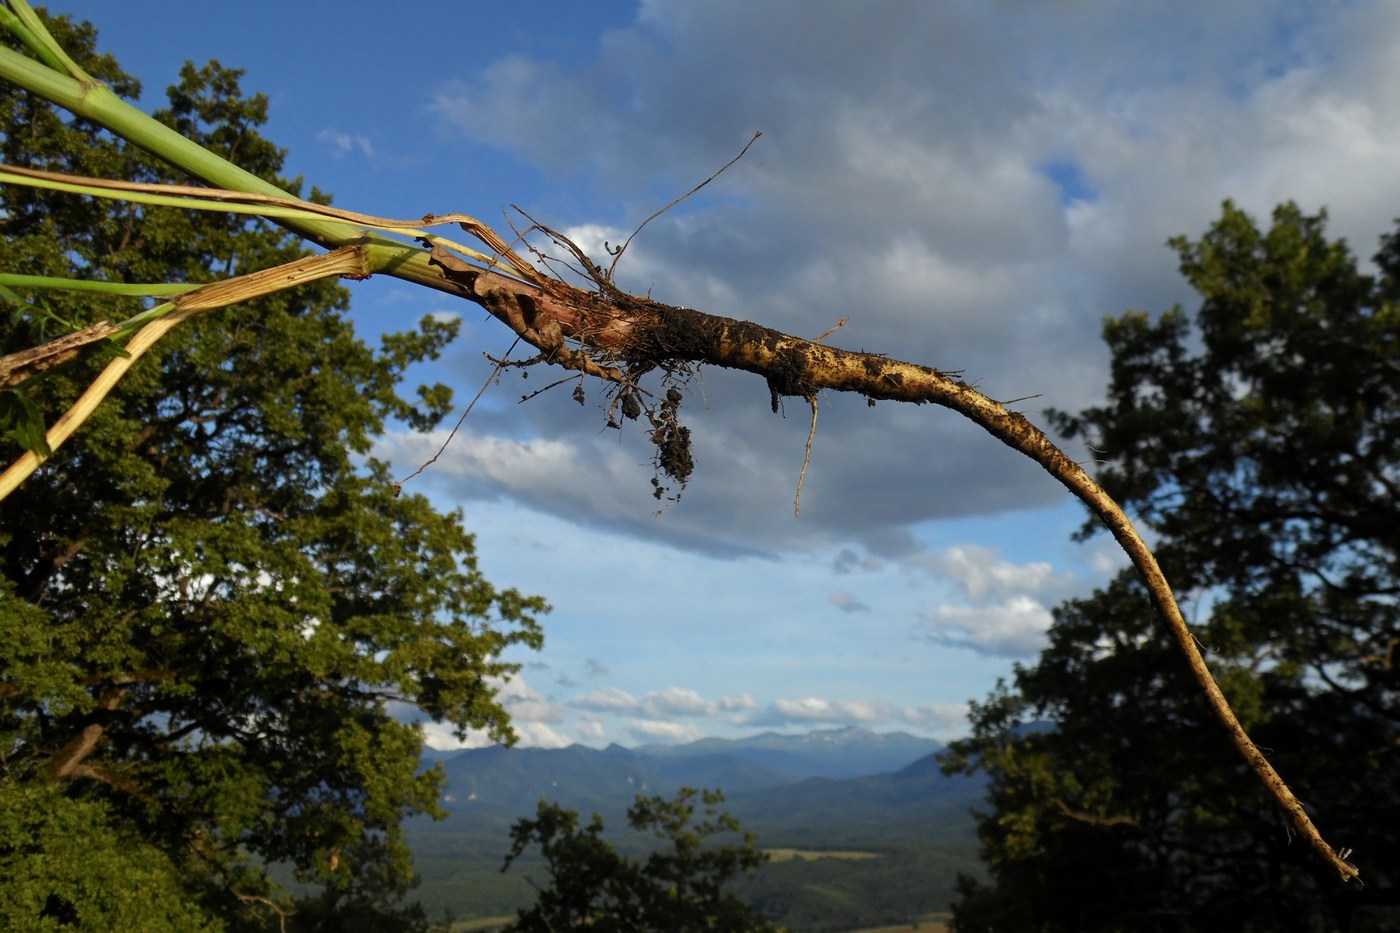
{"x":678,"y":886}
{"x":1259,"y":440}
{"x":217,"y":614}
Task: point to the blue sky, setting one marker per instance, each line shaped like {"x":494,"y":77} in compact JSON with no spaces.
{"x":975,"y":185}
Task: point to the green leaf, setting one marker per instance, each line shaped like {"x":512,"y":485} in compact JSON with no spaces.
{"x":23,"y":419}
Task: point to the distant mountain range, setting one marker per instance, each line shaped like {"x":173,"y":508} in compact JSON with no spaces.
{"x":497,"y":779}
{"x":831,"y":753}
{"x":829,"y":790}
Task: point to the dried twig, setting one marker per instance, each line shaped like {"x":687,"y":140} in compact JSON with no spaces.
{"x":500,"y":364}
{"x":617,"y":254}
{"x":807,"y":456}
{"x":832,"y":329}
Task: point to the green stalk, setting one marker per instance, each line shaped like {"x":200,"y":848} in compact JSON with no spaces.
{"x":271,"y":211}
{"x":11,"y":280}
{"x":295,"y":208}
{"x":133,"y":290}
{"x":39,"y":42}
{"x":94,"y":101}
{"x":97,"y":102}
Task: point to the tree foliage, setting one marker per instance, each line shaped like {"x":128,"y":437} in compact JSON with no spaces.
{"x":679,"y":887}
{"x":217,"y":611}
{"x":1261,"y":444}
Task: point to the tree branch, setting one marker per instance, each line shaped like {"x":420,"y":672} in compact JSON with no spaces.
{"x":1093,"y":819}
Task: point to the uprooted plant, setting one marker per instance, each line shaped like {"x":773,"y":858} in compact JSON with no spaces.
{"x":593,"y":330}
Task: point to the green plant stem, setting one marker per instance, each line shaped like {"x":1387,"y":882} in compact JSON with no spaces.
{"x":96,"y":102}
{"x":233,"y":201}
{"x":12,"y":280}
{"x":38,"y":39}
{"x":273,"y":212}
{"x":132,"y":290}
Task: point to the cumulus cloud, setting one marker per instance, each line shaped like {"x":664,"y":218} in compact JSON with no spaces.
{"x":590,"y":730}
{"x":537,"y":719}
{"x":739,"y":703}
{"x":678,"y":715}
{"x":982,"y":573}
{"x":608,"y":700}
{"x":977,"y":196}
{"x":974,"y":186}
{"x":526,"y":704}
{"x":674,"y":701}
{"x":671,"y":702}
{"x":940,"y":718}
{"x":530,"y":735}
{"x":817,"y":710}
{"x":671,"y":733}
{"x":1015,"y":628}
{"x":541,"y":735}
{"x":821,"y":712}
{"x":1004,"y":605}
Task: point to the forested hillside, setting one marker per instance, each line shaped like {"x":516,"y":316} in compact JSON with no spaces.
{"x":898,"y":840}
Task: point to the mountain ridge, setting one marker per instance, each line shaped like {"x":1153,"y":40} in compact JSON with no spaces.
{"x":914,"y":821}
{"x":837,"y":753}
{"x":838,"y":774}
{"x":833,"y":753}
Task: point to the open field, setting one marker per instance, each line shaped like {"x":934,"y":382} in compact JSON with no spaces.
{"x":931,"y":923}
{"x":809,"y":855}
{"x":481,"y":924}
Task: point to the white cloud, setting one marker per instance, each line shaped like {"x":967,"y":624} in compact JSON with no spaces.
{"x":1015,"y":628}
{"x":1004,"y":612}
{"x":975,"y":186}
{"x":811,"y":710}
{"x":608,"y":700}
{"x":818,"y":712}
{"x":654,"y":730}
{"x":529,"y":735}
{"x":439,"y":735}
{"x":591,"y":730}
{"x":342,"y":142}
{"x":983,"y":574}
{"x":674,"y":701}
{"x":677,"y":715}
{"x":507,"y":464}
{"x":738,"y":703}
{"x":526,"y":704}
{"x":902,"y":180}
{"x":540,"y":735}
{"x":671,"y":702}
{"x":940,"y":718}
{"x":533,"y":715}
